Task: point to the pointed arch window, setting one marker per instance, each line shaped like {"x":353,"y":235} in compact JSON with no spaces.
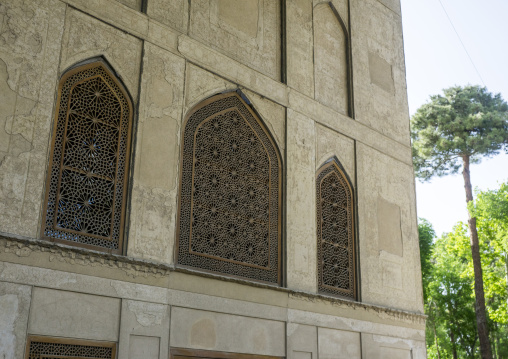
{"x":335,"y":231}
{"x":87,"y":176}
{"x":230,"y":192}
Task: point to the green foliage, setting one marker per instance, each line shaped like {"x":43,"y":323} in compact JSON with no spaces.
{"x":463,"y":121}
{"x":448,"y":278}
{"x":426,"y":234}
{"x":450,"y":302}
{"x":491,"y":211}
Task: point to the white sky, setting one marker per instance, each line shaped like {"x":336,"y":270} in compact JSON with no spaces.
{"x":435,"y":59}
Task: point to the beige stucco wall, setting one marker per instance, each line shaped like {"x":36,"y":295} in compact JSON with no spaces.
{"x":170,"y":59}
{"x":204,"y":313}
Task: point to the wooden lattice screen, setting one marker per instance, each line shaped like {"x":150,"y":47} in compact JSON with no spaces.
{"x":48,"y":347}
{"x":230,"y":194}
{"x":87,"y":177}
{"x":335,"y":231}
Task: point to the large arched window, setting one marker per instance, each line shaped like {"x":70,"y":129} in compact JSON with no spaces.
{"x":87,"y":176}
{"x":230,"y":192}
{"x":335,"y":231}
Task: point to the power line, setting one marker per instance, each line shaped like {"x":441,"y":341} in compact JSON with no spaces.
{"x":463,"y":45}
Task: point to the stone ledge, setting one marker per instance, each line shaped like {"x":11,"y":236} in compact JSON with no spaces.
{"x":134,"y":267}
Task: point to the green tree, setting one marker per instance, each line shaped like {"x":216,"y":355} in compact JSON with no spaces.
{"x":491,"y":208}
{"x":491,"y":211}
{"x":449,"y":132}
{"x":426,"y":235}
{"x":451,"y":294}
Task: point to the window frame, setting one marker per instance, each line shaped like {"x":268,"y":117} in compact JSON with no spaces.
{"x":71,"y":71}
{"x":69,"y":341}
{"x":278,"y":158}
{"x":333,"y":165}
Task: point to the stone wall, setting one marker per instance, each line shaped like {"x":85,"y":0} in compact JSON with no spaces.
{"x":147,"y":317}
{"x":343,"y":96}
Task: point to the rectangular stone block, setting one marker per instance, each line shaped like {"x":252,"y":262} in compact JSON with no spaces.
{"x":144,"y":330}
{"x":301,"y":341}
{"x":301,"y":205}
{"x":153,"y":213}
{"x":172,"y":13}
{"x":74,"y":315}
{"x":380,"y":72}
{"x":28,"y":73}
{"x":331,"y":65}
{"x":387,"y":347}
{"x":144,"y":347}
{"x":214,"y":303}
{"x":390,"y":263}
{"x":248,"y":30}
{"x":299,"y":46}
{"x":198,"y":329}
{"x":232,"y":69}
{"x":379,"y":69}
{"x":339,"y":344}
{"x":14,"y":308}
{"x":388,"y":221}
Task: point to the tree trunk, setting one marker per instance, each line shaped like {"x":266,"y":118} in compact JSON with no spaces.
{"x":497,"y":343}
{"x":454,"y":346}
{"x":435,"y":338}
{"x":494,"y":349}
{"x":481,"y":314}
{"x":506,"y":264}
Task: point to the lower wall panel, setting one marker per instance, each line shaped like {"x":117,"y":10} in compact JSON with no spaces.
{"x":146,"y":323}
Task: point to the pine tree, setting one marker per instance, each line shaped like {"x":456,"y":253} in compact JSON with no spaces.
{"x":452,"y":131}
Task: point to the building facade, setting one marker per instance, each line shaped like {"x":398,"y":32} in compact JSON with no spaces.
{"x":206,"y":179}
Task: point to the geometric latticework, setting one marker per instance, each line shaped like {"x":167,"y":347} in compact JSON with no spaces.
{"x":86,"y":188}
{"x":45,"y":348}
{"x":335,"y":232}
{"x":230,"y":193}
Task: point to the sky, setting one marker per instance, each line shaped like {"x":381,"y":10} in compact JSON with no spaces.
{"x":436,"y":59}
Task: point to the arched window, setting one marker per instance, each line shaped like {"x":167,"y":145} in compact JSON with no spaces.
{"x":335,"y":231}
{"x":230,"y":192}
{"x":87,"y":176}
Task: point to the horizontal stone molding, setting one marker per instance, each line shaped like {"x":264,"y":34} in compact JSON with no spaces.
{"x":139,"y":269}
{"x":133,"y":267}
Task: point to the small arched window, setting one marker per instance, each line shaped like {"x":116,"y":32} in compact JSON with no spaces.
{"x":87,"y":176}
{"x":335,"y":231}
{"x":230,"y":194}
